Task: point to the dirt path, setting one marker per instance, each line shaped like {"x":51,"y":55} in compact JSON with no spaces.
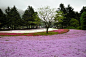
{"x":28,"y":31}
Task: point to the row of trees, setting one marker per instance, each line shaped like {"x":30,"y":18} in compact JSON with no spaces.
{"x":63,"y":17}
{"x":69,"y":18}
{"x":12,"y":19}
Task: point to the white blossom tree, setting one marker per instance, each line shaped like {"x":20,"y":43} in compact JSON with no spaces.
{"x":47,"y":15}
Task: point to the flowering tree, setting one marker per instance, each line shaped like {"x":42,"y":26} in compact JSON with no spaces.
{"x":47,"y":15}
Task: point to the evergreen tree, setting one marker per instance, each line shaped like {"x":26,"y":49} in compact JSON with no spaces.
{"x":83,"y":10}
{"x":37,"y":19}
{"x":83,"y":20}
{"x":8,"y":16}
{"x":77,"y":17}
{"x":70,"y":14}
{"x":28,"y":16}
{"x":2,"y":19}
{"x":31,"y":16}
{"x":63,"y":10}
{"x":15,"y":18}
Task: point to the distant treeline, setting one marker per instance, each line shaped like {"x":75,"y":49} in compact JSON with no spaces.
{"x":11,"y":18}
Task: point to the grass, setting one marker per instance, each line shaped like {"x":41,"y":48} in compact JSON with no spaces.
{"x":25,"y":34}
{"x":44,"y":33}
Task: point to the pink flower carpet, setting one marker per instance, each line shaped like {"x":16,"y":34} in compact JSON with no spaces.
{"x":70,"y":44}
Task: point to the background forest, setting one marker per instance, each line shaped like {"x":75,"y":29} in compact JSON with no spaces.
{"x":12,"y":19}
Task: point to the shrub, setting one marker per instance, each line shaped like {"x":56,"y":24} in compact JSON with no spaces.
{"x":74,"y":23}
{"x":70,"y":27}
{"x":79,"y":27}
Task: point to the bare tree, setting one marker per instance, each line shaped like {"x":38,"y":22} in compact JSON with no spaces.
{"x":47,"y":15}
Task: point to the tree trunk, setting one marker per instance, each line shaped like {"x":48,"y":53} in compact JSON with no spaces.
{"x":47,"y":30}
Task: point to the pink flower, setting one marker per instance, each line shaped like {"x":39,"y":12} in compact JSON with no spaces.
{"x":61,"y":30}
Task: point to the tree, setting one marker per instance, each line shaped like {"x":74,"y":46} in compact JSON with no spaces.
{"x":59,"y":19}
{"x":77,"y":17}
{"x":70,"y":14}
{"x":37,"y":21}
{"x":83,"y":10}
{"x":15,"y":18}
{"x":62,"y":8}
{"x":83,"y":20}
{"x":74,"y":23}
{"x":2,"y":19}
{"x":28,"y":16}
{"x":47,"y":15}
{"x":8,"y":16}
{"x":64,"y":13}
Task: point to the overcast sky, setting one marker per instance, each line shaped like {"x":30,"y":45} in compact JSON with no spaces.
{"x":23,"y":4}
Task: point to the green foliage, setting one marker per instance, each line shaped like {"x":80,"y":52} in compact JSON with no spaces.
{"x":59,"y":18}
{"x":71,"y":27}
{"x":79,"y":27}
{"x":30,"y":17}
{"x":70,"y":14}
{"x":2,"y":19}
{"x":64,"y":21}
{"x":13,"y":18}
{"x":62,"y":8}
{"x":8,"y":17}
{"x":74,"y":23}
{"x":37,"y":20}
{"x":77,"y":17}
{"x":14,"y":21}
{"x":83,"y":10}
{"x":83,"y":20}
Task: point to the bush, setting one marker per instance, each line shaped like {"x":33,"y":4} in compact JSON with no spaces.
{"x":74,"y":23}
{"x":70,"y":27}
{"x":79,"y":27}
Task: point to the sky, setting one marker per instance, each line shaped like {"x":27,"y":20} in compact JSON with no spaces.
{"x":23,"y":4}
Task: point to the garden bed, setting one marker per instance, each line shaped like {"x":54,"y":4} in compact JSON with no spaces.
{"x":59,"y":31}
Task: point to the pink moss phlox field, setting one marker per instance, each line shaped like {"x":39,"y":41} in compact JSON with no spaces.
{"x":70,"y":44}
{"x":61,"y":31}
